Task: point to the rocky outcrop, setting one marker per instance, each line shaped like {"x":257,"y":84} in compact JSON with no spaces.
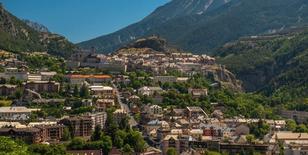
{"x":223,"y":76}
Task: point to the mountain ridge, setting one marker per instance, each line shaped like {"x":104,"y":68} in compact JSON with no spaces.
{"x":17,"y":36}
{"x":223,"y":21}
{"x":275,"y":65}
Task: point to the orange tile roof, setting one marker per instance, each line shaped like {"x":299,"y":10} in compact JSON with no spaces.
{"x":89,"y":76}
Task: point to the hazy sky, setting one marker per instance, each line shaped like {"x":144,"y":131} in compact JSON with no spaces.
{"x":80,"y":20}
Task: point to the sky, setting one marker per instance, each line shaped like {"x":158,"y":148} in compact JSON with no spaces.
{"x":81,"y":20}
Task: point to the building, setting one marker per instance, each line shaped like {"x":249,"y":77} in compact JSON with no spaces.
{"x":46,"y":76}
{"x":15,"y":113}
{"x":180,"y":143}
{"x":119,"y":114}
{"x":13,"y":72}
{"x":98,"y":118}
{"x":105,"y":92}
{"x":298,"y":116}
{"x":165,"y":79}
{"x":43,"y":86}
{"x":29,"y":135}
{"x":51,"y":133}
{"x":78,"y":79}
{"x":195,"y":112}
{"x":149,"y":91}
{"x":103,"y":104}
{"x":7,"y":90}
{"x":196,"y":93}
{"x":85,"y":152}
{"x":79,"y":126}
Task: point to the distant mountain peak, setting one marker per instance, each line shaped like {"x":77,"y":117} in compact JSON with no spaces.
{"x":201,"y":26}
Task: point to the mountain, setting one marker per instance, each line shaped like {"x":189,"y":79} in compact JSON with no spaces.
{"x":17,"y":36}
{"x":275,"y":65}
{"x":201,"y":26}
{"x":36,"y":26}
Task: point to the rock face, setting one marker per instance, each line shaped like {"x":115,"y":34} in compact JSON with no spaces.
{"x":153,"y":42}
{"x":36,"y":26}
{"x":223,"y":76}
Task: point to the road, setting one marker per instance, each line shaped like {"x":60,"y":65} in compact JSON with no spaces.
{"x":132,"y":121}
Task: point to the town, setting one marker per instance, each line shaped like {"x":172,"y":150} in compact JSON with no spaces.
{"x":138,"y":101}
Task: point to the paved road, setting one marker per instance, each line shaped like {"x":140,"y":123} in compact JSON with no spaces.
{"x":132,"y":121}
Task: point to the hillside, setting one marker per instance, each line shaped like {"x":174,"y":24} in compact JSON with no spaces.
{"x":201,"y":26}
{"x":274,"y":64}
{"x":17,"y":36}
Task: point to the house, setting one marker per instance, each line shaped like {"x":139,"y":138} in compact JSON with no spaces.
{"x":298,"y":116}
{"x":103,"y":104}
{"x":196,"y":93}
{"x":195,"y":112}
{"x":165,"y":79}
{"x":14,"y":72}
{"x":51,"y":133}
{"x":102,"y":91}
{"x":7,"y":90}
{"x":43,"y":86}
{"x":15,"y":113}
{"x":98,"y":118}
{"x":119,"y":114}
{"x":171,"y":141}
{"x":149,"y":91}
{"x":151,"y":151}
{"x":30,"y":95}
{"x":34,"y":77}
{"x":46,"y":76}
{"x":85,"y":152}
{"x":79,"y":79}
{"x":29,"y":135}
{"x":287,"y":137}
{"x":155,"y":110}
{"x":79,"y":126}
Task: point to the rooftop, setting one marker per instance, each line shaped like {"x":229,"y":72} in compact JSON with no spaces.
{"x":72,"y":76}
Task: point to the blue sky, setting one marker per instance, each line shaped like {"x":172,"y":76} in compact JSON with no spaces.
{"x":80,"y":20}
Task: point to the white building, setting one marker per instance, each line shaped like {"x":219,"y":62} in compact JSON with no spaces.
{"x":15,"y":113}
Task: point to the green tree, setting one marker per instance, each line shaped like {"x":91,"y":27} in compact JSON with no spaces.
{"x":76,"y":91}
{"x":259,"y":129}
{"x":66,"y":134}
{"x":301,"y":128}
{"x":172,"y":151}
{"x":11,"y":147}
{"x":84,"y":91}
{"x":42,"y":149}
{"x":18,"y":94}
{"x":106,"y":144}
{"x":124,"y":123}
{"x":2,"y":80}
{"x":97,"y":134}
{"x":119,"y":138}
{"x":77,"y":144}
{"x":127,"y":149}
{"x":250,"y":138}
{"x":291,"y":125}
{"x":111,"y":125}
{"x":135,"y":139}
